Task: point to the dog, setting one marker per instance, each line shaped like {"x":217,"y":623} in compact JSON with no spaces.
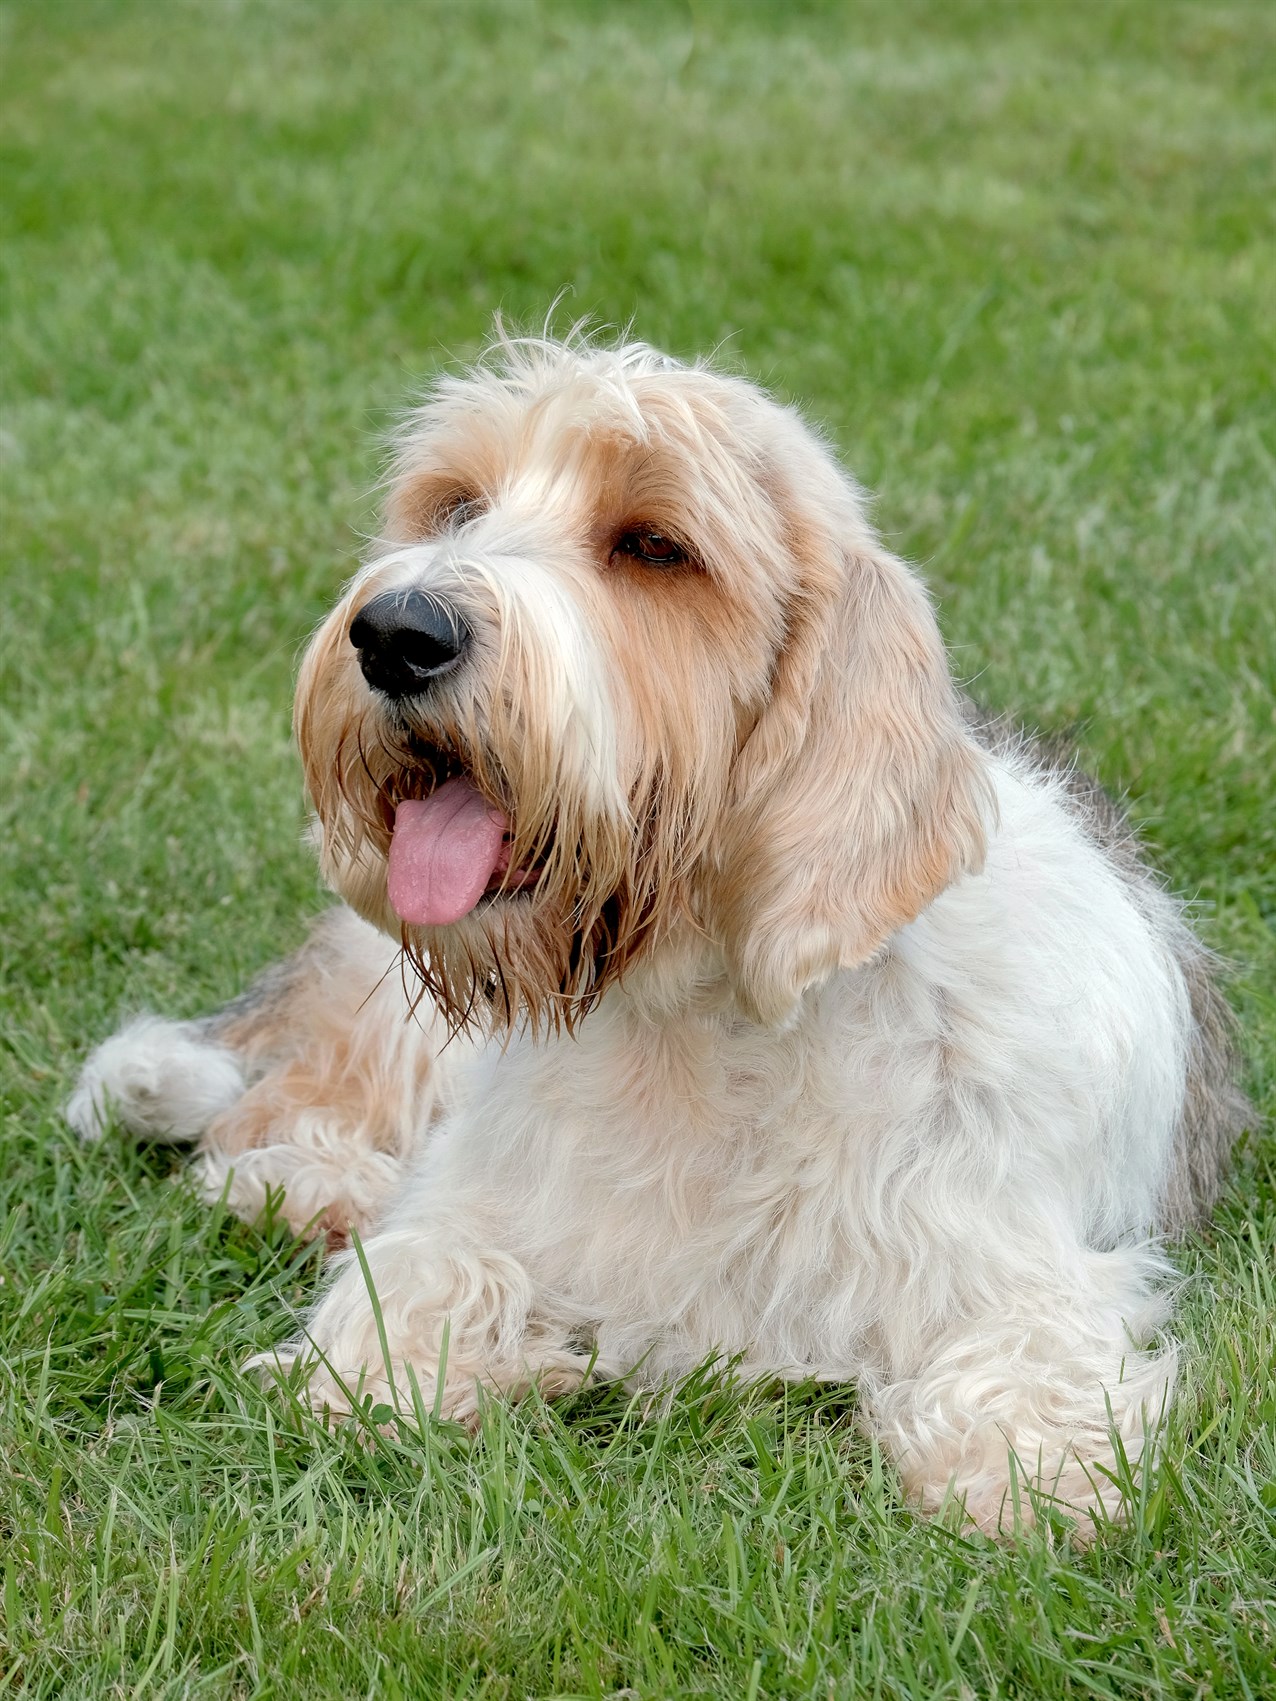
{"x":711,"y":977}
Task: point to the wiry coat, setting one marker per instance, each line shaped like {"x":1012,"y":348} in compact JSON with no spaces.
{"x":830,"y":1028}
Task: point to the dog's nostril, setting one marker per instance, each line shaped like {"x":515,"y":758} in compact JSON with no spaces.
{"x":405,"y":639}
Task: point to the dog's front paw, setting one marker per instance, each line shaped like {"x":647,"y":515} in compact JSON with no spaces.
{"x":1006,"y":1447}
{"x":374,"y":1393}
{"x":446,"y":1331}
{"x":999,"y":1488}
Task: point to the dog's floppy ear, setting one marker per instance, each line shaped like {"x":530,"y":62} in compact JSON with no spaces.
{"x":859,"y":795}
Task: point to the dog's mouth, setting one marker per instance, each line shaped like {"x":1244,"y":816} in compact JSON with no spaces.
{"x":450,"y":850}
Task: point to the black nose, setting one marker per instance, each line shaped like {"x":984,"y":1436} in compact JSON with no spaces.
{"x":405,"y":639}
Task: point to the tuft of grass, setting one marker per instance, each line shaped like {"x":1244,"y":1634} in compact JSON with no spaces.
{"x":1018,"y":260}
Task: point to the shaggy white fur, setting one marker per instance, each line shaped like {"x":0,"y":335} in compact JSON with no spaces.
{"x":798,"y":1019}
{"x":167,"y":1080}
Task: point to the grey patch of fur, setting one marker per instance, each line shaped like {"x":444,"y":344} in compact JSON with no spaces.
{"x":263,"y":993}
{"x":1215,"y":1110}
{"x":263,"y":1004}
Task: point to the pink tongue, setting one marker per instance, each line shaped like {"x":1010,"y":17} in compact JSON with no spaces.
{"x":444,"y":853}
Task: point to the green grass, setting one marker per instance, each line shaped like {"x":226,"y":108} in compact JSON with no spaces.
{"x":1018,"y":259}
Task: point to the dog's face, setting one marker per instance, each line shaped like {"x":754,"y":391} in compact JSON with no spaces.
{"x":629,"y":659}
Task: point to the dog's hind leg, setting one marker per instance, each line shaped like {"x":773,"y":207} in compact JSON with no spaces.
{"x":317,"y":1081}
{"x":161,"y":1080}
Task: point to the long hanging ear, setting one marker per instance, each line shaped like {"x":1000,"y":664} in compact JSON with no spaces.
{"x":858,"y":796}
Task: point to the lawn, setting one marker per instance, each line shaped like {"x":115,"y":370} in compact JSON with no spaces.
{"x":1018,"y":260}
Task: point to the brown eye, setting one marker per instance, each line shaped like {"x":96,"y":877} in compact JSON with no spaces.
{"x":655,"y":549}
{"x":455,"y":509}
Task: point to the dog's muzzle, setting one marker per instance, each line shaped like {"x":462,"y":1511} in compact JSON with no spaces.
{"x":407,"y":639}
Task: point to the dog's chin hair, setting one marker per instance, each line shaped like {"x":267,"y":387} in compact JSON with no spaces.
{"x":606,"y":899}
{"x":545,"y":956}
{"x":607,"y":889}
{"x":518,"y":962}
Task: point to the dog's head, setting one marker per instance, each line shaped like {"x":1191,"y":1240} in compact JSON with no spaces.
{"x":630,"y":657}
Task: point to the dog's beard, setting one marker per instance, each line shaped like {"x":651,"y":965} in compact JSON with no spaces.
{"x":571,"y":900}
{"x":519,"y":959}
{"x":568,"y":907}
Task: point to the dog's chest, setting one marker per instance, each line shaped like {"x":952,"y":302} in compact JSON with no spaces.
{"x":640,"y":1145}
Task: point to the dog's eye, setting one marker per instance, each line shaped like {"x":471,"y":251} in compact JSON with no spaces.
{"x":455,"y":509}
{"x":655,"y":549}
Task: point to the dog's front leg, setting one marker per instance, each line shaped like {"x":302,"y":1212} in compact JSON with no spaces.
{"x":1040,"y":1394}
{"x":425,"y":1318}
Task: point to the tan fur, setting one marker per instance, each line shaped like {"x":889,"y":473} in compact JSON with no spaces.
{"x":336,"y":1077}
{"x":860,"y":794}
